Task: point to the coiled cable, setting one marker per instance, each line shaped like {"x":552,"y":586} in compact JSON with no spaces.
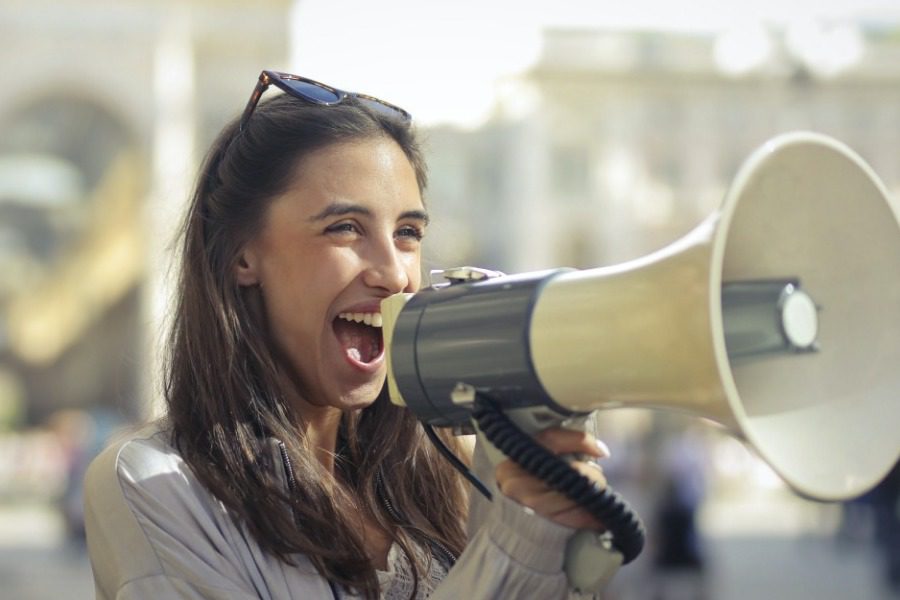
{"x":606,"y":505}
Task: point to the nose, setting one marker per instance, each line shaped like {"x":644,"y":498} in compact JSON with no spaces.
{"x":389,"y":268}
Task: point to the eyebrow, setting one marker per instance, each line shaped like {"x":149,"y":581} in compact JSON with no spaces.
{"x":339,"y":209}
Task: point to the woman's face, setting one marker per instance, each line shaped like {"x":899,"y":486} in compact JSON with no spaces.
{"x":343,"y":237}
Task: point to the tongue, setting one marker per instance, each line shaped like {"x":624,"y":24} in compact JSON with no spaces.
{"x":359,"y":341}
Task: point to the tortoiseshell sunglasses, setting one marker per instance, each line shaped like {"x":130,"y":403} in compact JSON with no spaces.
{"x":315,"y":93}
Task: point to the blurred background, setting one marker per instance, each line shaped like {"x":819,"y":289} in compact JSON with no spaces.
{"x":574,"y":134}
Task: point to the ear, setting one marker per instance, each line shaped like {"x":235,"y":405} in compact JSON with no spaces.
{"x":246,"y":271}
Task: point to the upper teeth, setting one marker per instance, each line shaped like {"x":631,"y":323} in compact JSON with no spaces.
{"x":373,"y":319}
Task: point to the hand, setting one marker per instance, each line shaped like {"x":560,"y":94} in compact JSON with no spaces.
{"x":531,"y":492}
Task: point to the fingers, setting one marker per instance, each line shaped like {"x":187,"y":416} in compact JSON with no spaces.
{"x":592,"y":471}
{"x":570,"y":441}
{"x":531,"y":492}
{"x":518,"y":484}
{"x":514,"y":479}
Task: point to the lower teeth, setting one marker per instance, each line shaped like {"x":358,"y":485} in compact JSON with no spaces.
{"x":354,"y":354}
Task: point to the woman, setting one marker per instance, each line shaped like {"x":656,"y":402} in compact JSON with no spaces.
{"x":281,"y":470}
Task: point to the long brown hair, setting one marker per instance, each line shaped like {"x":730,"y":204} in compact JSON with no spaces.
{"x":222,"y":384}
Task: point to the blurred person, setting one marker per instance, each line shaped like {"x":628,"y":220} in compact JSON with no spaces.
{"x":857,"y":523}
{"x":679,"y":557}
{"x":81,"y":435}
{"x":74,"y":431}
{"x":281,"y":469}
{"x":874,"y":518}
{"x":885,"y":501}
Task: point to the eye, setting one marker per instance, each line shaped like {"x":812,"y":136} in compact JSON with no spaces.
{"x":410,"y":232}
{"x":343,"y":228}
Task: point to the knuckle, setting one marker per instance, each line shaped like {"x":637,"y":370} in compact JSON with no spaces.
{"x":584,"y":437}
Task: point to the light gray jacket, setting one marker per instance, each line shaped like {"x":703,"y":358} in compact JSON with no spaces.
{"x":155,"y":532}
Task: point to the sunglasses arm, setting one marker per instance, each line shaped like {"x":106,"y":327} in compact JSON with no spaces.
{"x":261,"y":87}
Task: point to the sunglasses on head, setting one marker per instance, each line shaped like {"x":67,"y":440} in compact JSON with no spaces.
{"x":315,"y":93}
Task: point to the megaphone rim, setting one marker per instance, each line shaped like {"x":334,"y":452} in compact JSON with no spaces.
{"x":735,"y":193}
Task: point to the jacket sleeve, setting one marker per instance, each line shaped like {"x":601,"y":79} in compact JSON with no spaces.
{"x":154,"y":532}
{"x":512,"y":552}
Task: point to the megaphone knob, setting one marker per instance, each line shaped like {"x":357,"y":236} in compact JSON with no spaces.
{"x":799,"y":318}
{"x":462,"y":394}
{"x":463,"y":275}
{"x":768,"y":316}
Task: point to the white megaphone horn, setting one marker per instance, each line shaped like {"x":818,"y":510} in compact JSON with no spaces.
{"x":778,"y":318}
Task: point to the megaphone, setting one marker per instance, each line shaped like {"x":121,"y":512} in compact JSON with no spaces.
{"x":778,"y":318}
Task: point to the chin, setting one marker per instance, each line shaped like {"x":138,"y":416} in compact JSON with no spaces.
{"x":361,"y":397}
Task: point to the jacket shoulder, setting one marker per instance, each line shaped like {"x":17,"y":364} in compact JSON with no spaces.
{"x":146,"y":514}
{"x":136,"y":457}
{"x":150,"y":522}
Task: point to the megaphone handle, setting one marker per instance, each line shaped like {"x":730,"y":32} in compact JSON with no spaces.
{"x":606,"y":505}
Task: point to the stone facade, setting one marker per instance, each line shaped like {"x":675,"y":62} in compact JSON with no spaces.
{"x":119,"y":100}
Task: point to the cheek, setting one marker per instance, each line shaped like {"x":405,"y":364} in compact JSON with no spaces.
{"x":414,"y":272}
{"x":292,"y":295}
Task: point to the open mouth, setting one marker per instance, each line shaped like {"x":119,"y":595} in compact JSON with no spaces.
{"x":359,"y":335}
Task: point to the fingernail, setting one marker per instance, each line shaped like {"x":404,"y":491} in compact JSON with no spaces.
{"x":604,"y":449}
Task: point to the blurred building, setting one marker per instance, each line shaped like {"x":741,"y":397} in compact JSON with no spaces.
{"x":614,"y":144}
{"x":104,"y":109}
{"x":617,"y":143}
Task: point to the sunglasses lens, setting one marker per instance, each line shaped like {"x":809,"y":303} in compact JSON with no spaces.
{"x":383,"y":108}
{"x":318,"y":93}
{"x":311,"y":91}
